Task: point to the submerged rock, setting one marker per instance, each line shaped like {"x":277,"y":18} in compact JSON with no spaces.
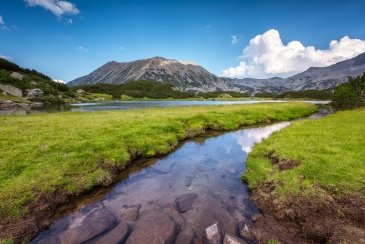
{"x":117,"y":235}
{"x":213,"y":234}
{"x":185,"y":202}
{"x":93,"y":223}
{"x":130,"y":213}
{"x":153,"y":227}
{"x":188,"y":180}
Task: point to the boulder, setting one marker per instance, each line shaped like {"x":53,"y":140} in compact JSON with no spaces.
{"x":117,"y":235}
{"x":213,"y":234}
{"x":11,"y":90}
{"x":231,"y":239}
{"x":246,"y":232}
{"x":153,"y":227}
{"x":35,"y":93}
{"x":184,"y":202}
{"x":16,"y":75}
{"x":80,"y":91}
{"x":91,"y":224}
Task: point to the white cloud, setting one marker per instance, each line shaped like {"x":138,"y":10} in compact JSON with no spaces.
{"x":1,"y":21}
{"x":59,"y":81}
{"x":57,"y":7}
{"x":2,"y":24}
{"x":234,"y":39}
{"x":267,"y":56}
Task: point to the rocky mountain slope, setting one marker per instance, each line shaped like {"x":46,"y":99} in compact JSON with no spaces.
{"x":194,"y":77}
{"x":180,"y":75}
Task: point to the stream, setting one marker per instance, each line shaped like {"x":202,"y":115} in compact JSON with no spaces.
{"x":172,"y":199}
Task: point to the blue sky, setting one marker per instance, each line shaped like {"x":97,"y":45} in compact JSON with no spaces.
{"x":72,"y":40}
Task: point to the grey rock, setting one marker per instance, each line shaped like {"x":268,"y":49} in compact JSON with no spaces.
{"x":231,"y":239}
{"x":185,"y":202}
{"x":186,"y":236}
{"x":153,"y":227}
{"x":117,"y":235}
{"x":93,"y":223}
{"x":35,"y":93}
{"x":16,"y":75}
{"x":36,"y":104}
{"x":80,"y":91}
{"x":11,"y":90}
{"x":213,"y":234}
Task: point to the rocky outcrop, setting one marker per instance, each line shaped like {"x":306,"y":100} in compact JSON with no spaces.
{"x":11,"y":90}
{"x":153,"y":227}
{"x":35,"y":93}
{"x":80,"y":91}
{"x":16,"y":75}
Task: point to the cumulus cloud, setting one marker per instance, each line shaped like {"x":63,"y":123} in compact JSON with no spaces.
{"x":57,"y":7}
{"x":234,"y":39}
{"x":267,"y":56}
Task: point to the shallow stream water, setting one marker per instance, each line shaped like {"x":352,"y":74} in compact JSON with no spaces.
{"x":196,"y":186}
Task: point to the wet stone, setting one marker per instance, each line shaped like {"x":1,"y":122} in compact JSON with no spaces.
{"x":213,"y":235}
{"x":88,"y":226}
{"x":153,"y":227}
{"x":130,"y":213}
{"x":117,"y":235}
{"x":184,"y":203}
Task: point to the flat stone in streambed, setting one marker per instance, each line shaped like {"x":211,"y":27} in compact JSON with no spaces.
{"x":184,"y":202}
{"x":153,"y":227}
{"x":93,"y":223}
{"x":117,"y":235}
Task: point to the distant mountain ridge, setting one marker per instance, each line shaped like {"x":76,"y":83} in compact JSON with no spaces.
{"x":194,"y":77}
{"x":169,"y":71}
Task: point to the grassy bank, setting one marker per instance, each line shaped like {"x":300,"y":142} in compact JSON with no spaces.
{"x":76,"y":151}
{"x":318,"y":165}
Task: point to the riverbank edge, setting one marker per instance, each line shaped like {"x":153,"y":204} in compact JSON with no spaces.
{"x":326,"y":217}
{"x":40,"y":212}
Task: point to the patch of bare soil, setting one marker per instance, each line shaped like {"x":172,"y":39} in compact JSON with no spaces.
{"x":283,"y":164}
{"x":330,"y":219}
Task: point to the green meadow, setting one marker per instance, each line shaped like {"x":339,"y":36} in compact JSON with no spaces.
{"x":328,"y":156}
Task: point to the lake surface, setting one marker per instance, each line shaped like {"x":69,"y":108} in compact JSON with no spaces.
{"x":127,"y":105}
{"x":178,"y":196}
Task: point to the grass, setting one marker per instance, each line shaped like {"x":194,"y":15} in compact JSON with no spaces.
{"x":46,"y":152}
{"x":330,"y":152}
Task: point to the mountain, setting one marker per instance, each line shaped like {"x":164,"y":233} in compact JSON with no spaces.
{"x":315,"y":78}
{"x":169,"y":71}
{"x":191,"y":77}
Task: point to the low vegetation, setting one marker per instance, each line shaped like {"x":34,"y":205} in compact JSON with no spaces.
{"x":54,"y":92}
{"x":306,"y":94}
{"x":350,"y":95}
{"x":44,"y":153}
{"x":152,"y":89}
{"x":312,"y":174}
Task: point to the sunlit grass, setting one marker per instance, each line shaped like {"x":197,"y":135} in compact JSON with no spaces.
{"x":331,"y":152}
{"x":45,"y":152}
